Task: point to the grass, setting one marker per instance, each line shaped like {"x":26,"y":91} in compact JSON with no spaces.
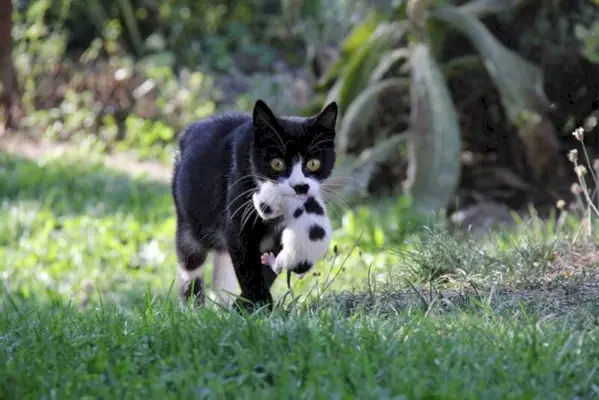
{"x":87,"y":267}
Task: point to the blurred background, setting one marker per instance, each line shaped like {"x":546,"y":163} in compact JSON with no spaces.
{"x":467,"y":106}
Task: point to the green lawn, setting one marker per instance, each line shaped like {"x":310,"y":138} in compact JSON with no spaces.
{"x":89,"y":309}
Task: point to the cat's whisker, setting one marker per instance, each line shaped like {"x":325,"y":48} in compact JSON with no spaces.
{"x":319,"y":134}
{"x":336,"y":177}
{"x":275,"y":131}
{"x":336,"y":203}
{"x":250,"y":210}
{"x":264,"y":177}
{"x":277,"y":147}
{"x":247,"y":212}
{"x":330,"y":186}
{"x":319,"y":143}
{"x":333,"y":207}
{"x":240,"y":195}
{"x":240,"y":179}
{"x":337,"y":198}
{"x":331,"y":197}
{"x":242,"y":207}
{"x":340,"y":199}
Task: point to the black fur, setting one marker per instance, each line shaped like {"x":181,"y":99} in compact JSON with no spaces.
{"x":265,"y":208}
{"x":312,"y":207}
{"x":316,"y":232}
{"x":301,"y":188}
{"x":303,"y":267}
{"x":215,"y":171}
{"x":298,"y":212}
{"x":192,"y":289}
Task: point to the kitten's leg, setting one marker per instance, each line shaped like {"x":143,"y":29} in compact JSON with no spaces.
{"x":224,"y":281}
{"x":270,"y":260}
{"x":191,"y":256}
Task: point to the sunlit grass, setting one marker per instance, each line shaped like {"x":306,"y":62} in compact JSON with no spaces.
{"x":89,"y":308}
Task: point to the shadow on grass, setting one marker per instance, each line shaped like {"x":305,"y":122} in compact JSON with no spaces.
{"x":79,"y":187}
{"x":576,"y":301}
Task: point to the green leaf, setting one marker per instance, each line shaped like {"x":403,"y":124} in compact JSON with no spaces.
{"x":519,"y":82}
{"x":483,"y":8}
{"x":361,"y":33}
{"x":361,"y":111}
{"x":132,"y":25}
{"x":357,"y":38}
{"x":387,"y":62}
{"x":434,"y":169}
{"x":356,"y":76}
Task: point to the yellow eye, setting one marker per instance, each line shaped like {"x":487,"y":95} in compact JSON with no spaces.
{"x":313,"y":165}
{"x":277,"y":164}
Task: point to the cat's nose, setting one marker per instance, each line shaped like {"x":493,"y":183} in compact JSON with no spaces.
{"x":301,"y":188}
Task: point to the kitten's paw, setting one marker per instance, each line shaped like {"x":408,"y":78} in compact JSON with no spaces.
{"x":268,"y":259}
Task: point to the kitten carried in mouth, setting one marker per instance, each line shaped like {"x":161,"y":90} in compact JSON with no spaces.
{"x":306,"y":235}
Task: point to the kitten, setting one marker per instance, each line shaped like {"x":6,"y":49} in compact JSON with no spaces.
{"x":221,"y":161}
{"x":306,"y":235}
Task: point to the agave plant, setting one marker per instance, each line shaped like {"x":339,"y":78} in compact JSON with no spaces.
{"x":400,"y":55}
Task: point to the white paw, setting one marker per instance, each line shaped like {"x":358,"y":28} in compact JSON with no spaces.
{"x":268,"y":259}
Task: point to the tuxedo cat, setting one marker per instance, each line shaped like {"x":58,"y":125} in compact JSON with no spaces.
{"x":306,"y":233}
{"x":220,"y":162}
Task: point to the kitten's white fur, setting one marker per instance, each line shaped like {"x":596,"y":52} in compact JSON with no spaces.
{"x":297,"y":246}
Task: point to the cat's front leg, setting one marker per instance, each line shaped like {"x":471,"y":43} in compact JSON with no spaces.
{"x":255,"y":279}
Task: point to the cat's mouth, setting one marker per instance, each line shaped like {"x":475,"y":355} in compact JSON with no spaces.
{"x":296,"y":196}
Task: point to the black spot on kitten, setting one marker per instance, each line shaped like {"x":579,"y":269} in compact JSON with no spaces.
{"x":312,"y":206}
{"x":316,"y":232}
{"x":265,"y":208}
{"x":298,"y":212}
{"x":302,"y":267}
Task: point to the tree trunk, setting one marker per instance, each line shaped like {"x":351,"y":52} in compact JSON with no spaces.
{"x":8,"y":82}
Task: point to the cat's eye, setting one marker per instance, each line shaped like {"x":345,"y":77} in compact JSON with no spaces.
{"x":277,"y":164}
{"x":313,"y":165}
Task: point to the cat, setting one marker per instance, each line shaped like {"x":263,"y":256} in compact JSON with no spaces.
{"x":306,"y":233}
{"x":220,"y":162}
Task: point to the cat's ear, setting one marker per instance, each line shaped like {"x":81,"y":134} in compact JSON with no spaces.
{"x":327,"y":117}
{"x":263,"y":118}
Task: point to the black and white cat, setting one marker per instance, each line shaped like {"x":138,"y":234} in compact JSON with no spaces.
{"x":306,"y":233}
{"x":221,"y":161}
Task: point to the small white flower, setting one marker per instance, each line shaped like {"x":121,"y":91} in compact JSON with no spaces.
{"x":573,"y":155}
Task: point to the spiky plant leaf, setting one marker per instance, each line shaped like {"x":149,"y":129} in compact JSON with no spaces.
{"x":387,"y":62}
{"x":357,"y":38}
{"x":434,"y":150}
{"x":519,"y":82}
{"x":352,"y":176}
{"x":355,"y":77}
{"x":361,"y":33}
{"x":483,"y":8}
{"x":360,"y":112}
